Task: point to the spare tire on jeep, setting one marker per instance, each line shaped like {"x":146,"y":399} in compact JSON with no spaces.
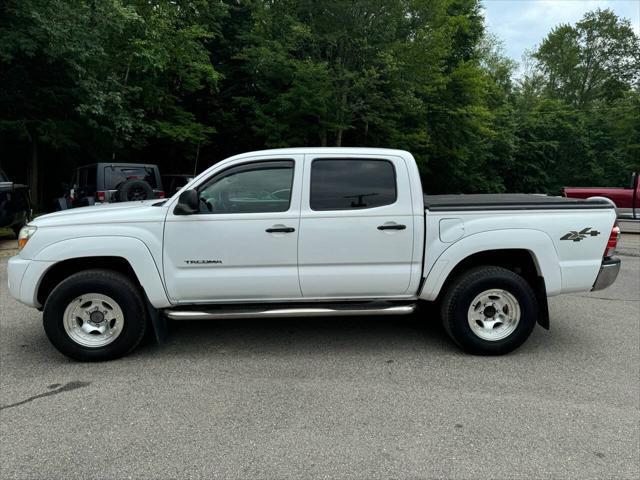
{"x":133,"y":190}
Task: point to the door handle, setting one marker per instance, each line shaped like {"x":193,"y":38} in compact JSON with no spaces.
{"x":394,"y":226}
{"x":280,"y":230}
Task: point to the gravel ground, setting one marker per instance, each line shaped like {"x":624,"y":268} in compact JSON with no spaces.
{"x":331,"y":398}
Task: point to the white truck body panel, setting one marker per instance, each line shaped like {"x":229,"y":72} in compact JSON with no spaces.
{"x":255,"y":265}
{"x":342,"y":254}
{"x":565,"y":265}
{"x":330,"y":255}
{"x":130,"y":230}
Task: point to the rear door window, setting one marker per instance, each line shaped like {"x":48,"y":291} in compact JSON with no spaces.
{"x":351,"y":184}
{"x":116,"y":175}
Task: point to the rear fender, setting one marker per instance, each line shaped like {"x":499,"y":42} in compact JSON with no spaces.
{"x":538,"y":243}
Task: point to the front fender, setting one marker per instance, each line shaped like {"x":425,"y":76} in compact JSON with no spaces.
{"x":538,"y":243}
{"x":131,"y":249}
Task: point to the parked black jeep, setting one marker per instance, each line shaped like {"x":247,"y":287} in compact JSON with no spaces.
{"x":113,"y":182}
{"x":15,"y":204}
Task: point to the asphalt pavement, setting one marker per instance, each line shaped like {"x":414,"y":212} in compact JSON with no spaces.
{"x":361,"y":398}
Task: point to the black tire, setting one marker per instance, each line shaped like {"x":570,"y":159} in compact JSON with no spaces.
{"x":134,"y":190}
{"x":105,"y":282}
{"x":461,"y":293}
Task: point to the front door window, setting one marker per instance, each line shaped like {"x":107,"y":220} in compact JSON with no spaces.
{"x":261,"y":187}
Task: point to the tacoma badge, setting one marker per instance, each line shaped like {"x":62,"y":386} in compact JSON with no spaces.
{"x":201,"y":262}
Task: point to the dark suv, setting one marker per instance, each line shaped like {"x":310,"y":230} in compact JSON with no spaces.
{"x":15,"y":204}
{"x":114,"y":182}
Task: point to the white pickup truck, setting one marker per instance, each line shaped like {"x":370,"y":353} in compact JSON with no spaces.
{"x":310,"y":232}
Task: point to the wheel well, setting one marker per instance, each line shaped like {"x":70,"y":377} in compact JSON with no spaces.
{"x":518,"y":261}
{"x":603,"y":197}
{"x":65,"y":268}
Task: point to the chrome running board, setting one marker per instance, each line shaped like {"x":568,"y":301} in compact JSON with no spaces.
{"x":299,"y":311}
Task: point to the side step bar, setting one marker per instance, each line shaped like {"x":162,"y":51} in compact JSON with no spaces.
{"x":302,"y":311}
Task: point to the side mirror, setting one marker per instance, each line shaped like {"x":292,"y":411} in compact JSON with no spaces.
{"x":188,"y":203}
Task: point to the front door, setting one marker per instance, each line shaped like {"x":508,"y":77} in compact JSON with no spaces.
{"x":356,"y":227}
{"x":243,"y":244}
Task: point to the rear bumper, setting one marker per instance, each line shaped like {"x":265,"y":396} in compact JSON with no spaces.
{"x":608,"y":273}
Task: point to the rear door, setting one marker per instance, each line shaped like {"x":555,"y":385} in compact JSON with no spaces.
{"x":356,"y":227}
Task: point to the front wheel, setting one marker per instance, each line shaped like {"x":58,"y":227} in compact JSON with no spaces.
{"x":95,"y":315}
{"x":489,"y":310}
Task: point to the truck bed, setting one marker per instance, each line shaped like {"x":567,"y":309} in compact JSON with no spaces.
{"x":508,"y":201}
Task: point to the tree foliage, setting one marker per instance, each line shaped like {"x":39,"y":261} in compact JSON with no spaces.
{"x":581,"y":94}
{"x":165,"y":81}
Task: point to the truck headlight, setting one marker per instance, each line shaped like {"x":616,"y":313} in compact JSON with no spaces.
{"x":25,"y":234}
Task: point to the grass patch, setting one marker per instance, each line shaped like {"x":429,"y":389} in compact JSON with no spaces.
{"x":7,"y":234}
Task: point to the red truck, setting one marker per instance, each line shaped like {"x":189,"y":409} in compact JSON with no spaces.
{"x":626,"y":199}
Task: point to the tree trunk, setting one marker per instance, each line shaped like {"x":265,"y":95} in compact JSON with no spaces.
{"x":323,"y":138}
{"x":115,"y":125}
{"x":195,"y":165}
{"x":33,"y":172}
{"x":341,"y":116}
{"x":366,"y":132}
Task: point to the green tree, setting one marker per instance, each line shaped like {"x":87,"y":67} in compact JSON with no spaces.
{"x":381,"y":73}
{"x":104,"y":75}
{"x":37,"y":84}
{"x":574,"y":104}
{"x":163,"y":81}
{"x":598,"y":58}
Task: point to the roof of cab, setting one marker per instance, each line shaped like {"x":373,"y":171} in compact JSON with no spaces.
{"x":324,"y":151}
{"x":118,"y":164}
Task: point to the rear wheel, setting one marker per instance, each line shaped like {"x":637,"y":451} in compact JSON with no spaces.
{"x":489,"y":310}
{"x":95,"y":315}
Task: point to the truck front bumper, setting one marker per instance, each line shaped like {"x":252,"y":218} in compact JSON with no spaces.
{"x":24,"y":277}
{"x":608,"y":273}
{"x":15,"y":271}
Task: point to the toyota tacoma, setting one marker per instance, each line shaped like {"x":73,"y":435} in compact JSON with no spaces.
{"x":310,"y":232}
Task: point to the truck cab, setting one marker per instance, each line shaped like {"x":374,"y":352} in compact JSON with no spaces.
{"x":286,"y":227}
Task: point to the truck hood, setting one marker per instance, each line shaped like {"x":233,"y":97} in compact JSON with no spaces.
{"x":123,"y":212}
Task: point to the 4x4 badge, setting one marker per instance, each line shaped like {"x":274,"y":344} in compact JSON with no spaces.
{"x":582,"y":234}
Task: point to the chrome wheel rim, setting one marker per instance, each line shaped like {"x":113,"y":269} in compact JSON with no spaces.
{"x":494,"y":315}
{"x":93,"y":320}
